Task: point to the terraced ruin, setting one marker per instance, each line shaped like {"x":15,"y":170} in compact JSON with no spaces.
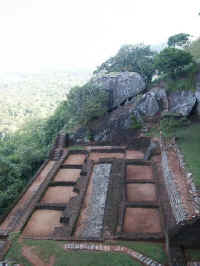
{"x":95,"y":196}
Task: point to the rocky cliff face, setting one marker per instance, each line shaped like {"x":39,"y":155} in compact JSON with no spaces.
{"x":120,"y":85}
{"x":129,"y":102}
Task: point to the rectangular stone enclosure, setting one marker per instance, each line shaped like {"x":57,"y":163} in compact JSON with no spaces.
{"x":67,"y":175}
{"x":138,"y":172}
{"x":141,"y":192}
{"x":58,"y":194}
{"x":95,"y":156}
{"x":133,"y":154}
{"x":42,"y":223}
{"x":141,"y":220}
{"x":75,"y":159}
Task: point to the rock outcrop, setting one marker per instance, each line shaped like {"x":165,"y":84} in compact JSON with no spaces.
{"x":181,"y":102}
{"x":129,"y":104}
{"x":120,"y":85}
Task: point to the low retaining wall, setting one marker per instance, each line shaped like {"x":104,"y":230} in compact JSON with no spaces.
{"x":178,"y":210}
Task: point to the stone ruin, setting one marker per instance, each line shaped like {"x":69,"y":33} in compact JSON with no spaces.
{"x":97,"y":193}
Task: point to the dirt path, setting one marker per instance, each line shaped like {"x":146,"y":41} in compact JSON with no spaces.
{"x":29,"y":254}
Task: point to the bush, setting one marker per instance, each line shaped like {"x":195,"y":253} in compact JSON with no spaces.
{"x":169,"y":124}
{"x":84,"y":104}
{"x":172,"y":61}
{"x":134,"y":58}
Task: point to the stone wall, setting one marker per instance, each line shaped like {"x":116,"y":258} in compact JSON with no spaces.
{"x":178,"y":210}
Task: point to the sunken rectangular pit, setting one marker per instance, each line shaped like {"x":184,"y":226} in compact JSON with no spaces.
{"x":58,"y":194}
{"x":95,"y":156}
{"x":42,"y":223}
{"x":134,"y":154}
{"x":75,"y":159}
{"x":141,"y":220}
{"x":140,"y":192}
{"x":139,"y":172}
{"x":67,"y":175}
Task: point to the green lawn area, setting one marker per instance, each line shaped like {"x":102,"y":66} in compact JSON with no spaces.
{"x":149,"y":249}
{"x":46,"y":248}
{"x":189,"y":143}
{"x":193,"y":254}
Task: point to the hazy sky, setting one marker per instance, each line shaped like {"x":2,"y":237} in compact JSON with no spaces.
{"x":38,"y":34}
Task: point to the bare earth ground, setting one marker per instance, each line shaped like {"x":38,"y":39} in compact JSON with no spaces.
{"x":27,"y":196}
{"x":68,"y":175}
{"x":142,"y":220}
{"x":132,"y":154}
{"x":42,"y":223}
{"x":141,"y":192}
{"x":58,"y":194}
{"x":96,"y":156}
{"x":75,"y":159}
{"x":139,"y":172}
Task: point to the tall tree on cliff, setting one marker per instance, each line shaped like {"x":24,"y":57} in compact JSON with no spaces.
{"x":135,"y":58}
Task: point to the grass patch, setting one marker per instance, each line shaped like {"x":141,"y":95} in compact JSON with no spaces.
{"x":47,"y":248}
{"x":193,"y":254}
{"x":189,"y":143}
{"x":152,"y":250}
{"x":76,"y":147}
{"x":15,"y":252}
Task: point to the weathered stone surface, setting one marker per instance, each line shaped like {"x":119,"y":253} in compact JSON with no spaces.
{"x":121,"y":85}
{"x":161,"y":97}
{"x":96,"y":207}
{"x":182,"y":102}
{"x":147,"y":106}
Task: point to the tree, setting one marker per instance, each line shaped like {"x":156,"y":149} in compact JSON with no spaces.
{"x":85,"y":103}
{"x":179,"y":40}
{"x":172,"y":61}
{"x":136,"y":58}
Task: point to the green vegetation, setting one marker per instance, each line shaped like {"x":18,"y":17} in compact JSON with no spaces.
{"x":135,"y":123}
{"x":179,"y":40}
{"x":46,"y":248}
{"x":194,"y":49}
{"x":21,"y":155}
{"x":25,"y":97}
{"x":189,"y":142}
{"x":84,"y":104}
{"x":186,"y":80}
{"x":171,"y":122}
{"x":23,"y":152}
{"x":193,"y":254}
{"x":135,"y":58}
{"x":172,"y":61}
{"x":152,"y":250}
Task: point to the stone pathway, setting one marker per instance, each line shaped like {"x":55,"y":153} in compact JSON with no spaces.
{"x":112,"y":248}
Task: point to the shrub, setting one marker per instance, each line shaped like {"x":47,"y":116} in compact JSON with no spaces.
{"x":172,"y":61}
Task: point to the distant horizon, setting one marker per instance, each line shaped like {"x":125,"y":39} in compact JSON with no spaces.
{"x":76,"y":34}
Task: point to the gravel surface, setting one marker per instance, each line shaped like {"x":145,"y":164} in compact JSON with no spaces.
{"x":95,"y":212}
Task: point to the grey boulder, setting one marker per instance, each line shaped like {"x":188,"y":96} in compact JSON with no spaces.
{"x":120,"y":85}
{"x":181,"y":102}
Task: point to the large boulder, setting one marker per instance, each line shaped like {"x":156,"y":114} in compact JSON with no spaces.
{"x":149,"y":104}
{"x":181,"y":102}
{"x":120,"y":85}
